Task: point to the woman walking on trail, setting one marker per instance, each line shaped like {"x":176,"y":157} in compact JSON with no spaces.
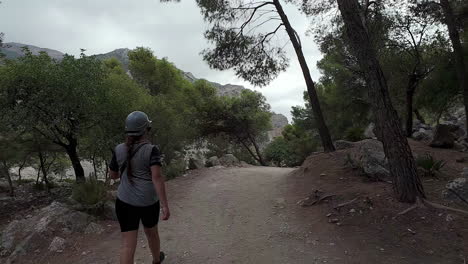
{"x":142,"y":189}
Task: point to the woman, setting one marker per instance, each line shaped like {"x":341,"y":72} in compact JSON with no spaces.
{"x":141,"y":191}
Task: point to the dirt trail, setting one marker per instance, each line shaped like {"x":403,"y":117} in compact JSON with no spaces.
{"x":233,"y":215}
{"x":250,"y":215}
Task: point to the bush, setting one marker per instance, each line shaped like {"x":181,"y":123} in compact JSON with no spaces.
{"x":175,"y":169}
{"x":90,"y":192}
{"x":354,"y":134}
{"x":429,"y":165}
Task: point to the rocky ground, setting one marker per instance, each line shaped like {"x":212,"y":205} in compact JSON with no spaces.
{"x":270,"y":215}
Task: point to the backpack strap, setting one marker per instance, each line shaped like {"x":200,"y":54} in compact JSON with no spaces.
{"x":124,"y":164}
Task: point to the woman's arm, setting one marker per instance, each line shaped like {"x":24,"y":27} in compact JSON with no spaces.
{"x":113,"y":174}
{"x":160,"y":186}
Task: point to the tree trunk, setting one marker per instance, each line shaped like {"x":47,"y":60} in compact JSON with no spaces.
{"x":75,"y":160}
{"x":419,"y":116}
{"x":257,"y":150}
{"x":20,"y":168}
{"x":6,"y":171}
{"x":407,"y":184}
{"x":94,"y":165}
{"x":410,"y":89}
{"x":458,"y":52}
{"x":251,"y":153}
{"x":317,"y":111}
{"x":44,"y":169}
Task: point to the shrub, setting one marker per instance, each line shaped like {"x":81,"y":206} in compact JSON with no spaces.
{"x":354,"y":134}
{"x":175,"y":169}
{"x":90,"y":192}
{"x":429,"y":165}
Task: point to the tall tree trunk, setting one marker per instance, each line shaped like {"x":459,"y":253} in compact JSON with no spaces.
{"x":251,"y":153}
{"x":20,"y":168}
{"x":458,"y":52}
{"x":6,"y":171}
{"x":410,"y":89}
{"x":75,"y":160}
{"x":407,"y":184}
{"x":317,"y":111}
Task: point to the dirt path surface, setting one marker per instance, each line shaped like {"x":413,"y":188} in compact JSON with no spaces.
{"x":251,"y":215}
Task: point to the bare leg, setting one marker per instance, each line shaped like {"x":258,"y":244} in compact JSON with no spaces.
{"x":152,"y":235}
{"x":128,"y":246}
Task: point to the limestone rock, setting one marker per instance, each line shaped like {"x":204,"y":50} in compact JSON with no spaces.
{"x":57,"y":244}
{"x":229,"y":160}
{"x":94,"y":228}
{"x":343,"y":144}
{"x":443,"y":137}
{"x":213,"y":161}
{"x":371,"y":159}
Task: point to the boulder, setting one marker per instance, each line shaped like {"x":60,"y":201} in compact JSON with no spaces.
{"x":195,"y":163}
{"x":57,"y":244}
{"x":213,"y":161}
{"x":94,"y":228}
{"x":422,"y":134}
{"x":369,"y":132}
{"x":21,"y":236}
{"x":443,"y":137}
{"x":371,"y":159}
{"x":459,"y":185}
{"x":343,"y":144}
{"x":229,"y":160}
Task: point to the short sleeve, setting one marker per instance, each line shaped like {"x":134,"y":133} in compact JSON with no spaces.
{"x":114,"y":165}
{"x":156,"y":157}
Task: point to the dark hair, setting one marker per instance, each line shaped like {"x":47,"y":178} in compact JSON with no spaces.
{"x":130,"y":142}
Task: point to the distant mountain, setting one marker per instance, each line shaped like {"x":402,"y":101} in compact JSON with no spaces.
{"x":119,"y":54}
{"x":14,"y":50}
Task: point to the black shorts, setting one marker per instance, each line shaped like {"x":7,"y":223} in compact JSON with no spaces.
{"x":129,"y":216}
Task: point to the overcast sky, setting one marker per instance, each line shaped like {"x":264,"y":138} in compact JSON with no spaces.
{"x":171,"y":30}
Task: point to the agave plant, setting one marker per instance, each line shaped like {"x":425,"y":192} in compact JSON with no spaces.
{"x":430,"y":165}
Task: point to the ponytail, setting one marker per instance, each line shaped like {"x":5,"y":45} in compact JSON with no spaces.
{"x":130,"y":142}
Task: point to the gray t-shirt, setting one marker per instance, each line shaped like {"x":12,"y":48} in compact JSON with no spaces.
{"x":141,"y":192}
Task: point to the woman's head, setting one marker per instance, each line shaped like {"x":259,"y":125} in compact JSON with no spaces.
{"x":137,"y":124}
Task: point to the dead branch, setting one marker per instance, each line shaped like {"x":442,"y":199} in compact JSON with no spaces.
{"x":345,"y":203}
{"x":422,"y":203}
{"x":305,"y":202}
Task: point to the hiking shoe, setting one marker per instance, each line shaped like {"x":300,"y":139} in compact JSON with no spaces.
{"x":162,"y":256}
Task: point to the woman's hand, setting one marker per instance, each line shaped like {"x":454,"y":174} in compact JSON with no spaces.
{"x":165,"y":213}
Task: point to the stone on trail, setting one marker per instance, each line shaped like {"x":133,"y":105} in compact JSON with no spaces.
{"x":213,"y":162}
{"x":371,"y":158}
{"x":195,"y":163}
{"x":57,"y":244}
{"x":94,"y":228}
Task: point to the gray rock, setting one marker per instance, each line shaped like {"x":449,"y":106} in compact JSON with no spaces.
{"x":459,"y":185}
{"x":443,"y":137}
{"x":109,"y":211}
{"x":343,"y":144}
{"x":370,"y":157}
{"x":29,"y":233}
{"x":229,"y":160}
{"x":213,"y":161}
{"x":94,"y":228}
{"x":422,"y":134}
{"x":57,"y":244}
{"x":195,"y":163}
{"x":369,"y":132}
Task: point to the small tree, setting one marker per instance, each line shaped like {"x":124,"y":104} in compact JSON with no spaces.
{"x":243,"y":34}
{"x":59,"y":100}
{"x":244,"y":119}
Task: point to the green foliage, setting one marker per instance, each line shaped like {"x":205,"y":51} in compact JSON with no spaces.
{"x":354,"y":134}
{"x":430,"y":165}
{"x":243,"y":120}
{"x":175,"y":169}
{"x":278,"y":152}
{"x":90,"y":192}
{"x":301,"y":143}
